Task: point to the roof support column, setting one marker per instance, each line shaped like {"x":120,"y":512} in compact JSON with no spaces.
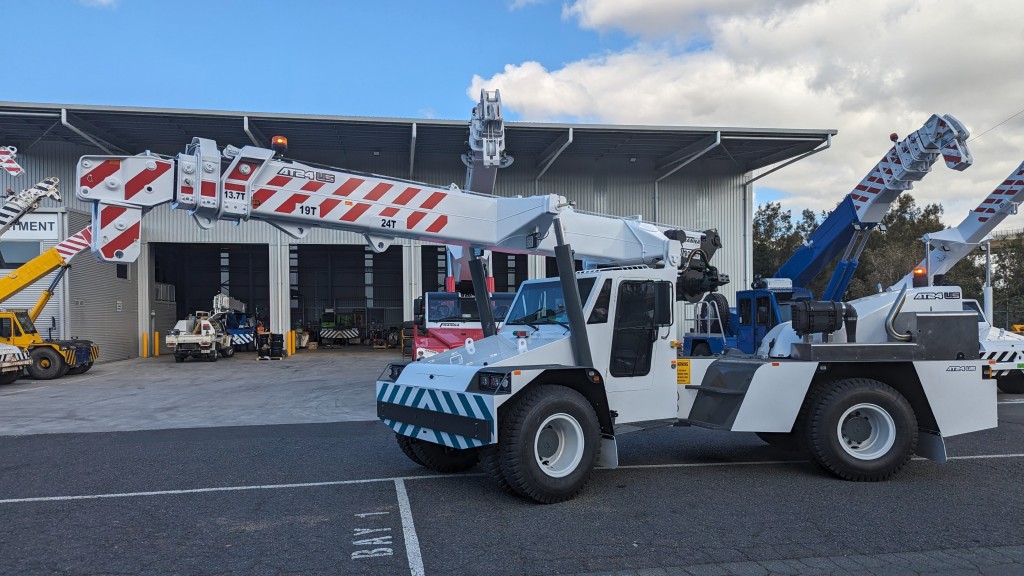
{"x":412,"y":270}
{"x":280,"y":287}
{"x":144,"y":284}
{"x":255,"y":135}
{"x":66,"y":118}
{"x":548,"y":157}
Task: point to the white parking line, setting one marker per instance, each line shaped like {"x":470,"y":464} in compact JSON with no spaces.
{"x":412,"y":541}
{"x":402,"y":479}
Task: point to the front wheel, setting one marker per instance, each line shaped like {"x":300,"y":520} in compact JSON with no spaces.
{"x":81,"y":369}
{"x":549,"y":444}
{"x":444,"y":459}
{"x":406,"y":444}
{"x":861,"y":429}
{"x":47,"y":364}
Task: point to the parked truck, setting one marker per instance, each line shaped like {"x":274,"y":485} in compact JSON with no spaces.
{"x":203,"y":335}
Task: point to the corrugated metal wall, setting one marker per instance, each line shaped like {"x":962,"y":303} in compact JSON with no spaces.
{"x":102,"y":307}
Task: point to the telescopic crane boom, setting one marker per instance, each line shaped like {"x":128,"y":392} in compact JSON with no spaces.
{"x":847,"y":228}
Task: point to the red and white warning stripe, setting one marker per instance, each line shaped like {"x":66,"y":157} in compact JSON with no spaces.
{"x":868,"y":189}
{"x":117,"y":233}
{"x":74,"y":244}
{"x":350,"y":199}
{"x":137,"y":175}
{"x":7,"y":161}
{"x":1007,"y":191}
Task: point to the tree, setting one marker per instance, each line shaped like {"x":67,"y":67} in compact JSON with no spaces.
{"x":887,"y":257}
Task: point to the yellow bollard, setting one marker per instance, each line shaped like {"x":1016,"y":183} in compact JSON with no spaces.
{"x":291,"y":342}
{"x":156,"y":343}
{"x":145,"y":345}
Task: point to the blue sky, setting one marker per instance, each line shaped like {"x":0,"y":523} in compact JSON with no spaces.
{"x":780,"y":64}
{"x":381,"y":58}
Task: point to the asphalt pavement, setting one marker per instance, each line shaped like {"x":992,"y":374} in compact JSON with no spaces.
{"x":340,"y":498}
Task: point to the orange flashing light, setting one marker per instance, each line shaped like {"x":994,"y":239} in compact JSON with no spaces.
{"x":517,"y":372}
{"x":279,"y":144}
{"x":776,"y":363}
{"x":920,"y":271}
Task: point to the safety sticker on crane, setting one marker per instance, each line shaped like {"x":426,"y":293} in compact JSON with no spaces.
{"x":7,"y":162}
{"x":683,"y":372}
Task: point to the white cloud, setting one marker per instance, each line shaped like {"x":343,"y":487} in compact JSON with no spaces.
{"x":518,"y":4}
{"x":99,"y":3}
{"x":867,"y":68}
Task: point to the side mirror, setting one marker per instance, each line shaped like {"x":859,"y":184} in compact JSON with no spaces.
{"x":663,"y":301}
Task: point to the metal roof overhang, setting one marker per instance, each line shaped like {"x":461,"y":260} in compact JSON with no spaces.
{"x":671,"y":149}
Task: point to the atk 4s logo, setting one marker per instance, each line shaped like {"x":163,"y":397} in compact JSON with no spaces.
{"x":937,"y":296}
{"x":961,"y":368}
{"x":307,"y":174}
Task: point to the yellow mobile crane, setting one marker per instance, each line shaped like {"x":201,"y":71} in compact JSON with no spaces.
{"x":50,"y":358}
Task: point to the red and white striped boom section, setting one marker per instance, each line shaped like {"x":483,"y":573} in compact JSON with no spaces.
{"x":255,"y":183}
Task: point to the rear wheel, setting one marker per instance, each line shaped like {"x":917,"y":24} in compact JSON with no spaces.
{"x":47,"y":364}
{"x":212,"y":356}
{"x":444,"y":459}
{"x":179,"y":358}
{"x":861,"y":429}
{"x":550,"y":444}
{"x":9,"y":377}
{"x":1012,"y":383}
{"x":228,"y":351}
{"x":406,"y":444}
{"x":490,"y":461}
{"x":80,"y":369}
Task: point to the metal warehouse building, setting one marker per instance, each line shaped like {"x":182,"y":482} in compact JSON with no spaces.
{"x":681,"y":176}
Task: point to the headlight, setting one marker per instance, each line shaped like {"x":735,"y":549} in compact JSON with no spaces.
{"x":491,"y":382}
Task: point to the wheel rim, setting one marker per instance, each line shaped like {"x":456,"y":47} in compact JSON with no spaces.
{"x":558,"y":446}
{"x":866,"y":431}
{"x":44,"y":363}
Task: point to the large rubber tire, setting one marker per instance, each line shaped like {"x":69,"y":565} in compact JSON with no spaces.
{"x":860,"y":429}
{"x":406,"y":444}
{"x":9,"y":377}
{"x":227,"y":352}
{"x":444,"y":459}
{"x":490,"y":461}
{"x":47,"y":364}
{"x":212,"y":357}
{"x":178,"y":358}
{"x":80,"y":369}
{"x":701,"y":349}
{"x":549,"y":444}
{"x":1012,"y":383}
{"x":720,"y":302}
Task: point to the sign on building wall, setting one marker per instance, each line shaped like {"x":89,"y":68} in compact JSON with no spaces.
{"x":35,"y":227}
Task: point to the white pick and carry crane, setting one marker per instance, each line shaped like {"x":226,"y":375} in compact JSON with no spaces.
{"x":587,"y":356}
{"x":943,"y":249}
{"x":204,"y":334}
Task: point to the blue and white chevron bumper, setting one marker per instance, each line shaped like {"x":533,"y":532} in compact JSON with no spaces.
{"x":453,"y":419}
